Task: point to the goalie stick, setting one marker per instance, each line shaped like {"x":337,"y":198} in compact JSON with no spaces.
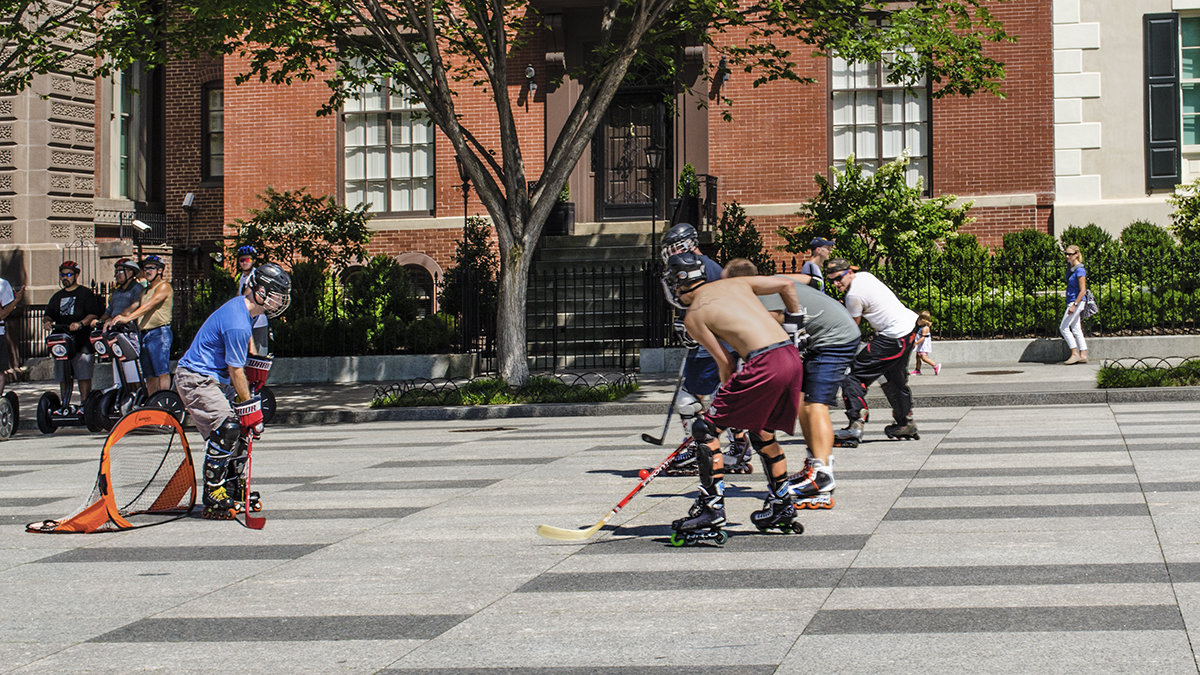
{"x":253,"y":522}
{"x":670,"y":409}
{"x":563,"y":534}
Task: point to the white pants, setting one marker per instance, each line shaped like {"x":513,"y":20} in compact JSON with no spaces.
{"x":1071,"y":328}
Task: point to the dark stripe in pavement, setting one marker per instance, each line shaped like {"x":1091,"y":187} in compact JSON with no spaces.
{"x":287,"y":480}
{"x":486,"y":461}
{"x":285,"y":628}
{"x":995,"y":620}
{"x":1019,"y":575}
{"x":11,"y":502}
{"x":1018,"y":511}
{"x":986,"y":472}
{"x":1000,"y":449}
{"x":395,"y":485}
{"x":681,"y":580}
{"x":589,"y":669}
{"x":46,"y":462}
{"x":182,"y":553}
{"x":636,"y":544}
{"x":334,"y":514}
{"x":9,"y":474}
{"x":1024,"y":489}
{"x":1048,"y":439}
{"x":1048,"y":489}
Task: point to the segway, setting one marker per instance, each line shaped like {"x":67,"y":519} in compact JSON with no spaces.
{"x":10,"y":411}
{"x":103,"y":412}
{"x":50,"y":412}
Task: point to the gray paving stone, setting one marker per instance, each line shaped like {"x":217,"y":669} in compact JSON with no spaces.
{"x":995,"y":620}
{"x":158,"y":553}
{"x":1023,"y":512}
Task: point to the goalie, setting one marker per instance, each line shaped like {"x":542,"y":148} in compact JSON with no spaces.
{"x":219,"y":355}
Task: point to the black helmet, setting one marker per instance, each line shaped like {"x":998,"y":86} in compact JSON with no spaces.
{"x":685,"y":272}
{"x":273,"y":286}
{"x":681,"y":237}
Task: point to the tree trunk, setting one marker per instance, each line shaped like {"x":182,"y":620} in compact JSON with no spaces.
{"x":511,"y":347}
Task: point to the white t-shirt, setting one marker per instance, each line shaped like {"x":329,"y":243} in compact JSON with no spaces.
{"x":6,"y":296}
{"x":261,"y":319}
{"x":869,"y":298}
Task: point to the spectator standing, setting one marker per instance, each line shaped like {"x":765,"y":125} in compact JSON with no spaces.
{"x":71,"y":310}
{"x":246,"y":258}
{"x":154,"y":320}
{"x":8,"y":302}
{"x":1071,"y":325}
{"x":819,"y":251}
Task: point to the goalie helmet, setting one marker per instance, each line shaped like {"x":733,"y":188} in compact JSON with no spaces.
{"x":679,"y":239}
{"x":271,"y":287}
{"x":685,"y":273}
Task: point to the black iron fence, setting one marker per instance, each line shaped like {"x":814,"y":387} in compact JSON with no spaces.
{"x":599,"y":319}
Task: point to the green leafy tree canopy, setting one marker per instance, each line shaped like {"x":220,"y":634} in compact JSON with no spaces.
{"x":294,"y":226}
{"x":875,"y":217}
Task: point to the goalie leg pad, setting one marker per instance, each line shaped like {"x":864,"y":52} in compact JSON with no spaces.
{"x":219,"y":453}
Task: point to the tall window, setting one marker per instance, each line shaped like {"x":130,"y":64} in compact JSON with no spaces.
{"x":214,"y":130}
{"x":388,"y":161}
{"x":122,"y":137}
{"x":877,"y":121}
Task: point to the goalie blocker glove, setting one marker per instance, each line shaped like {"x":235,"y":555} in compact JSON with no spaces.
{"x":250,"y":415}
{"x":257,"y":369}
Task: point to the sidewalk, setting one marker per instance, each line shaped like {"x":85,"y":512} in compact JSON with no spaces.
{"x":984,"y":385}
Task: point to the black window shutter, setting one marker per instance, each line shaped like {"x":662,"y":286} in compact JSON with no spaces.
{"x":1163,"y":133}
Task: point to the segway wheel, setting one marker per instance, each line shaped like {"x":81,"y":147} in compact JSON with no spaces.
{"x":110,"y":410}
{"x":8,"y":422}
{"x":268,"y":404}
{"x":15,"y":402}
{"x":47,"y":404}
{"x":169,"y":401}
{"x":93,"y":413}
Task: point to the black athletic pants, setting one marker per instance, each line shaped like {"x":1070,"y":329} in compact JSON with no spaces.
{"x":884,"y":356}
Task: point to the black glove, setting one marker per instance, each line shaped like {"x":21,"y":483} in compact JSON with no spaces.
{"x":682,"y":334}
{"x":793,"y":323}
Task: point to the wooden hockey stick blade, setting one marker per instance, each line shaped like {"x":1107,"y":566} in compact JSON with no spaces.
{"x":652,"y":440}
{"x":562,"y":534}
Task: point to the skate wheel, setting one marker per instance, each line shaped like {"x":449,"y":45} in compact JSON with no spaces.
{"x":256,"y":507}
{"x":762,"y":529}
{"x":677,"y":539}
{"x":722,"y":537}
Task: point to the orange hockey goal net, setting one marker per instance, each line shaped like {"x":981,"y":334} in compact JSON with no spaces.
{"x":146,"y":477}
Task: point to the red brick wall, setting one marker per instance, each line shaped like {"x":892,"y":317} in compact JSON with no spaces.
{"x":184,"y":123}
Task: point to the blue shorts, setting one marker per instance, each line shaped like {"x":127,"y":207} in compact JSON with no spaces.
{"x":701,"y":377}
{"x":156,"y":351}
{"x":824,"y":370}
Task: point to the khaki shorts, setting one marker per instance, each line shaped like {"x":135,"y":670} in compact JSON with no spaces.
{"x":204,"y":399}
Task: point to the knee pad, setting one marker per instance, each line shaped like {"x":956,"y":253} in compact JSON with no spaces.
{"x":219,"y":451}
{"x":687,"y":405}
{"x":757,"y":443}
{"x":703,"y":431}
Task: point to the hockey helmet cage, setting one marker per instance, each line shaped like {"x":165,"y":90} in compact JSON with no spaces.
{"x":680,"y":238}
{"x":685,"y":273}
{"x":272,"y":288}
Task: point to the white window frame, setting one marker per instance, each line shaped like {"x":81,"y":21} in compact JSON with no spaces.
{"x":388,"y":153}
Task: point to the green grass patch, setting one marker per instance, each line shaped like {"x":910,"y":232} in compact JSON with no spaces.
{"x":1186,"y":374}
{"x":496,"y":392}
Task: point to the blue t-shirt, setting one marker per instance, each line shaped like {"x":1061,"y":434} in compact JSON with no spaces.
{"x":1073,"y":278}
{"x":221,"y":342}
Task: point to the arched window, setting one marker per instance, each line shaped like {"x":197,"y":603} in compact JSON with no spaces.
{"x":422,"y":282}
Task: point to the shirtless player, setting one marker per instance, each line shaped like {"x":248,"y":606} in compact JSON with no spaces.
{"x":763,"y":396}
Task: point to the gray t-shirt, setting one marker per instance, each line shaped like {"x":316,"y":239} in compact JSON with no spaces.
{"x":122,"y":299}
{"x":826,"y":320}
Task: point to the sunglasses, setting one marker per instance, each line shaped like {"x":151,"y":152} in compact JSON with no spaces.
{"x":838,"y":276}
{"x":66,"y":274}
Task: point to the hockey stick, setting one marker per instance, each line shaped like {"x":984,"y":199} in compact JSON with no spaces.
{"x":670,"y":409}
{"x":551,"y":532}
{"x":252,"y":522}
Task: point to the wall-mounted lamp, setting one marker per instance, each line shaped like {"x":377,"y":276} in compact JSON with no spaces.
{"x":723,"y":70}
{"x":530,"y":73}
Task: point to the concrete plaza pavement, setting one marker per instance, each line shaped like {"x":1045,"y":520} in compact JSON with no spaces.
{"x":1053,"y":538}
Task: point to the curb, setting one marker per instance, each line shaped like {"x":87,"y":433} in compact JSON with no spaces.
{"x":434,"y":413}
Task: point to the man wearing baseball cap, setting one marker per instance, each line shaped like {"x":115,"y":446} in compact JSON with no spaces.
{"x":886,"y":354}
{"x":819,"y":250}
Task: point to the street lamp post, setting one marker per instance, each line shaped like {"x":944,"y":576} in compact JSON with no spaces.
{"x":654,"y":162}
{"x":466,"y":190}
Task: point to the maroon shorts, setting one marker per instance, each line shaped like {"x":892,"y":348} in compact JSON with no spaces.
{"x":764,"y":395}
